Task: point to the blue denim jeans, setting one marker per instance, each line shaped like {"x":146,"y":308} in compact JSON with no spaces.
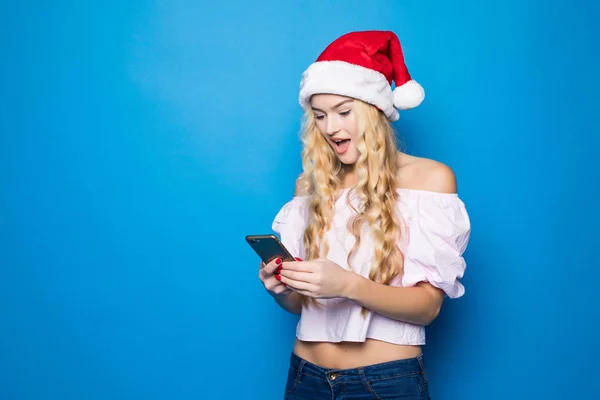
{"x":401,"y":379}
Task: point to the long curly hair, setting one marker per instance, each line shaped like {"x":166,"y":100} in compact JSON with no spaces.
{"x":376,"y":169}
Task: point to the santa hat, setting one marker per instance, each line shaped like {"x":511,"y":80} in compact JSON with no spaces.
{"x":362,"y":65}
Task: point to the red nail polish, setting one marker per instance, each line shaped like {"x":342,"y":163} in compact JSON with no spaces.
{"x":279,"y":270}
{"x":298,"y":259}
{"x":278,"y":261}
{"x":278,"y":277}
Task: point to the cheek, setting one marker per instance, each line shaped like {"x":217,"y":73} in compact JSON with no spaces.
{"x":321,"y":126}
{"x":352,"y":129}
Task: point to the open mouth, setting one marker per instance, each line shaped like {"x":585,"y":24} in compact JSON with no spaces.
{"x":341,"y":145}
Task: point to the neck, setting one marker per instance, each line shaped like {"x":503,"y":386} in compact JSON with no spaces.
{"x":348,"y":176}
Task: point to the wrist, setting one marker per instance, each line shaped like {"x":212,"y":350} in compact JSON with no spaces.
{"x":289,"y":302}
{"x":353,"y":285}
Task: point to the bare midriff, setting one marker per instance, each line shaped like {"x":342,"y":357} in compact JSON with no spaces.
{"x":347,"y":355}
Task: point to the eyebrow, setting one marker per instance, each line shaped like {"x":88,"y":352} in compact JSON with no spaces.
{"x":336,"y":106}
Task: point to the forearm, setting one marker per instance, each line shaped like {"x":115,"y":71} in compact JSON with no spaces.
{"x":290,"y":301}
{"x":418,"y":305}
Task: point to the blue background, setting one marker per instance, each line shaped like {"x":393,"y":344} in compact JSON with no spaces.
{"x":141,"y":141}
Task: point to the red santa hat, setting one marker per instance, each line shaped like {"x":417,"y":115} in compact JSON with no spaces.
{"x":362,"y":65}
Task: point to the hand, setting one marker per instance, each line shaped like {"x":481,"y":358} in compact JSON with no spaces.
{"x":269,"y":276}
{"x":320,"y":278}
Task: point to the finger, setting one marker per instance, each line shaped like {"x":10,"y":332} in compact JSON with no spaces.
{"x":271,"y":284}
{"x":275,"y":279}
{"x":295,"y":284}
{"x":273,"y":266}
{"x":263,"y":275}
{"x":301,"y":266}
{"x":280,"y":289}
{"x":262,"y":265}
{"x":308,"y":277}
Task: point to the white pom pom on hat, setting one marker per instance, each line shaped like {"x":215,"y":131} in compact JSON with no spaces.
{"x":409,"y":95}
{"x":363,"y":65}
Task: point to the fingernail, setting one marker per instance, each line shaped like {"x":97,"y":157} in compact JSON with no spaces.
{"x":279,"y":270}
{"x":298,"y":259}
{"x":278,"y":261}
{"x":278,"y":277}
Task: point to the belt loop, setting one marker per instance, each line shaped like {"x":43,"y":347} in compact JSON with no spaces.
{"x":363,"y":378}
{"x":422,"y":365}
{"x":299,"y":372}
{"x":301,"y":365}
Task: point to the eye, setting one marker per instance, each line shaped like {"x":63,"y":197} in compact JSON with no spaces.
{"x":345,"y":113}
{"x":319,"y":117}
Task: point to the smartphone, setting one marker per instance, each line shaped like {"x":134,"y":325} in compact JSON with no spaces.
{"x":269,"y":247}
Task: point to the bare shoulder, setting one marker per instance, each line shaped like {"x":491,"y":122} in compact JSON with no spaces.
{"x":420,"y":173}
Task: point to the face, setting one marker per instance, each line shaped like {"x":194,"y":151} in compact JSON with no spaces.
{"x":336,"y":119}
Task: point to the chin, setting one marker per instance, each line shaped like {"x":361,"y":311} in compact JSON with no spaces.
{"x":348,"y":159}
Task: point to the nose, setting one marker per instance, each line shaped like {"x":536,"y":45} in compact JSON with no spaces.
{"x":333,"y":125}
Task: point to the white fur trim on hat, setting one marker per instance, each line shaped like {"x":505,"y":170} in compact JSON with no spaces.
{"x":345,"y":79}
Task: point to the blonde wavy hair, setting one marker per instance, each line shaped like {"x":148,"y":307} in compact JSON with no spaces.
{"x":376,"y":169}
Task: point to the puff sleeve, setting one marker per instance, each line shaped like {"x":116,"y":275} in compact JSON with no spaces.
{"x":290,"y":223}
{"x":439,"y":231}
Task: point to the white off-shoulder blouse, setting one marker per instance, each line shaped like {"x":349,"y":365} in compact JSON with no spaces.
{"x":436,"y":236}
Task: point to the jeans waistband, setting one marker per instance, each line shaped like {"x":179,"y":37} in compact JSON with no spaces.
{"x":384,"y":370}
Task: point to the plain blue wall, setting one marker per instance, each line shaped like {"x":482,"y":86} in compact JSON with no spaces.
{"x":140,"y":142}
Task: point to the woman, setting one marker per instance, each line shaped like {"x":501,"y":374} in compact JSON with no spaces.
{"x":381,"y":232}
